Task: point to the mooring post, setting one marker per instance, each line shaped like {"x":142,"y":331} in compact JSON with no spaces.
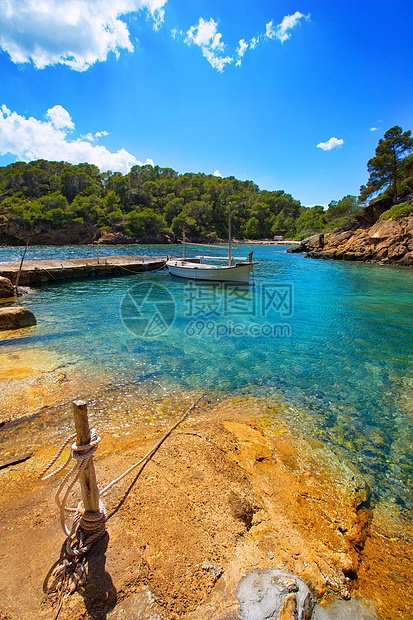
{"x":90,"y":491}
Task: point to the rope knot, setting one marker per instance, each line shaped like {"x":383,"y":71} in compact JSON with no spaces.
{"x":88,"y":527}
{"x":80,"y":453}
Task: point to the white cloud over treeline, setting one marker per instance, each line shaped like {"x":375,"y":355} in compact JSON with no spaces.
{"x":76,"y":33}
{"x":29,"y":139}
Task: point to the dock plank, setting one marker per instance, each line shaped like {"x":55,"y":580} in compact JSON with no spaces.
{"x":37,"y":272}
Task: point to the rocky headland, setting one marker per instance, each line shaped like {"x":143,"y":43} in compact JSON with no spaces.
{"x":369,"y":239}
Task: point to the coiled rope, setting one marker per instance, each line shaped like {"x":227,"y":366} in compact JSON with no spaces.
{"x":88,"y":527}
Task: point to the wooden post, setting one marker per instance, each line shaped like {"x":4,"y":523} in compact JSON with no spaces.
{"x":90,"y":491}
{"x":20,"y":269}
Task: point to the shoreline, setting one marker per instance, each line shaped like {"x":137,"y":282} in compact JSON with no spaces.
{"x":301,"y":496}
{"x":166,"y":243}
{"x":270,"y":450}
{"x":254,"y":436}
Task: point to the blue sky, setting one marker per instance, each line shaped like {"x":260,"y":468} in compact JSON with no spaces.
{"x":291,"y":94}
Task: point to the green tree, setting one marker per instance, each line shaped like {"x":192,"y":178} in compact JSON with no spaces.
{"x":184,"y":222}
{"x":342,"y":211}
{"x":145,"y":222}
{"x":173,"y":208}
{"x":385,"y":167}
{"x":252,"y":229}
{"x":311,"y":221}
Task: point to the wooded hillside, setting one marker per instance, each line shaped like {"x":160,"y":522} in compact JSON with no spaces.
{"x":150,"y":203}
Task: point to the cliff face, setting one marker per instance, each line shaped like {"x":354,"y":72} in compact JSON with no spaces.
{"x":386,"y":241}
{"x":13,"y":232}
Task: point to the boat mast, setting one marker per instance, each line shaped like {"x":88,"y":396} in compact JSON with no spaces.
{"x":184,"y":245}
{"x":229,"y":235}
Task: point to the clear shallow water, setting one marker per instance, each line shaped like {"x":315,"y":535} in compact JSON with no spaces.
{"x":333,"y":340}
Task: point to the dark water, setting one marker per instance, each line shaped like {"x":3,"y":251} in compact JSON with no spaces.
{"x":332,"y":339}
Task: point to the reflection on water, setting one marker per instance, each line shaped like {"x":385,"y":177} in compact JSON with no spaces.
{"x":332,"y":341}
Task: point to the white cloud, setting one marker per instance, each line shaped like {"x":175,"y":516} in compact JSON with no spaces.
{"x":76,"y":33}
{"x":283,"y":29}
{"x":60,"y":118}
{"x":269,"y":30}
{"x":205,"y":34}
{"x":217,"y":174}
{"x":30,"y":139}
{"x":374,"y":128}
{"x":254,"y":42}
{"x":207,"y":37}
{"x":242,"y":48}
{"x":330,"y":144}
{"x":176,"y":33}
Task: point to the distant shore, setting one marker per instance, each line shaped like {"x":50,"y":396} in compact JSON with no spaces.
{"x":267,"y":242}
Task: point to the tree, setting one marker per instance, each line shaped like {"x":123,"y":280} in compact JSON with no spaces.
{"x":145,"y":222}
{"x":311,"y":221}
{"x":386,"y":166}
{"x":342,"y":210}
{"x":252,"y":229}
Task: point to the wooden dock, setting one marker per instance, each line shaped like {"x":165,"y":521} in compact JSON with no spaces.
{"x":37,"y":272}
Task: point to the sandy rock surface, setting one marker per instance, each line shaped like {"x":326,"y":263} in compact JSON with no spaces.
{"x":227,"y":493}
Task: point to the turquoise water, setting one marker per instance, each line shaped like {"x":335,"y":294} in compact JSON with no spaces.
{"x":332,"y":339}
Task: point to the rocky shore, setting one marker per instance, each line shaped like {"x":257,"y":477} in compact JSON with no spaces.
{"x":75,"y":233}
{"x":233,"y":501}
{"x":385,"y":241}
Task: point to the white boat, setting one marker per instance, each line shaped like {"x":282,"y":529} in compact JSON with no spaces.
{"x":196,"y":269}
{"x":240,"y":272}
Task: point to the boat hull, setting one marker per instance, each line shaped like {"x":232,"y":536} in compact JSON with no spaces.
{"x":235,"y":273}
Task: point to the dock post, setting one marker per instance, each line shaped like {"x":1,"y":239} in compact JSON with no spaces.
{"x":20,"y":269}
{"x":88,"y":484}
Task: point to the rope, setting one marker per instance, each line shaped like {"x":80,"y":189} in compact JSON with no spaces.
{"x":88,"y":527}
{"x":145,"y":264}
{"x":153,"y":450}
{"x":92,"y":523}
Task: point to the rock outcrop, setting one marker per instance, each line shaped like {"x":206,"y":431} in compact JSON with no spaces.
{"x":111,"y":238}
{"x":386,"y":241}
{"x":6,"y":288}
{"x":13,"y":232}
{"x":16,"y":317}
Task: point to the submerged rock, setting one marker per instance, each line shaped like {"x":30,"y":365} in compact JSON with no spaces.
{"x":275,"y":595}
{"x":141,"y":605}
{"x":354,"y":609}
{"x":16,"y":317}
{"x":6,"y":288}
